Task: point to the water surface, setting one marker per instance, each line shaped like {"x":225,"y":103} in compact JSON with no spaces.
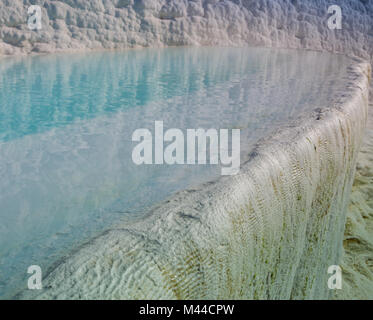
{"x":66,"y":122}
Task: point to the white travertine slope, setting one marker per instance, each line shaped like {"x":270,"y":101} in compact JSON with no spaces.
{"x":357,"y":261}
{"x":217,"y":266}
{"x":113,"y":24}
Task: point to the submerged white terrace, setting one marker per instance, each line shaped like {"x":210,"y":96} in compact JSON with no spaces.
{"x":68,"y":173}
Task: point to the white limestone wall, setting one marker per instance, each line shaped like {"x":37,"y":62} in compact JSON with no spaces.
{"x":113,"y":24}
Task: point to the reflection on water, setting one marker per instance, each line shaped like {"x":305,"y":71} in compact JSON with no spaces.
{"x":66,"y":122}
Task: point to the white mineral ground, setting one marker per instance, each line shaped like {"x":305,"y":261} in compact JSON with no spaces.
{"x":357,"y":261}
{"x":97,"y":24}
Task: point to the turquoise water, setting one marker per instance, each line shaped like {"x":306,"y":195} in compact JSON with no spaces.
{"x":66,"y":122}
{"x":54,"y":91}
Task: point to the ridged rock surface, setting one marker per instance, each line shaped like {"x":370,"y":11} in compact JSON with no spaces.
{"x":113,"y":24}
{"x":357,"y":261}
{"x":204,"y":261}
